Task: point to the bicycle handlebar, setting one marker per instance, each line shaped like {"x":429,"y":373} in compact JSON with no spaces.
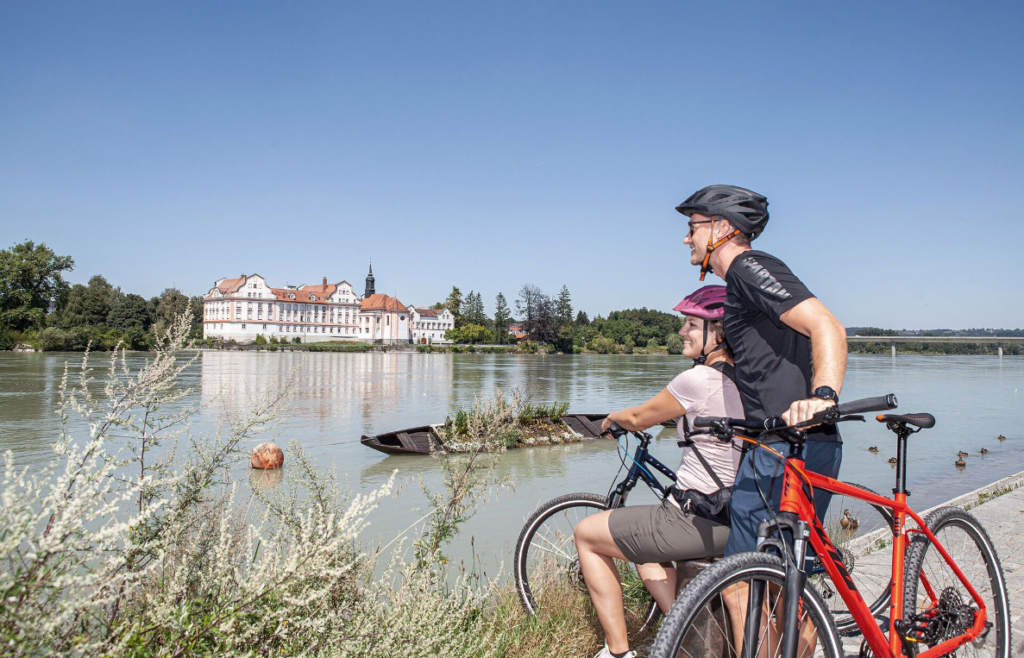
{"x":776,"y":424}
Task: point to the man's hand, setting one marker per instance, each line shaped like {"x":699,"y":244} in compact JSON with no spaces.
{"x":802,"y":410}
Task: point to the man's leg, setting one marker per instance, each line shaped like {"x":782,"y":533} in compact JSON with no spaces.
{"x":596,"y":550}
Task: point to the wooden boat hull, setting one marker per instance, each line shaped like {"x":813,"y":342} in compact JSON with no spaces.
{"x":420,"y":440}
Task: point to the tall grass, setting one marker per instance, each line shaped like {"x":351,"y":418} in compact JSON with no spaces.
{"x":135,"y":541}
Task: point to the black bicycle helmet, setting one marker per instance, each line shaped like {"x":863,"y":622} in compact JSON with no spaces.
{"x":745,"y":210}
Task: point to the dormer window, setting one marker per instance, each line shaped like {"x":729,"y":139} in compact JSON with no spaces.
{"x":312,"y":297}
{"x":291,"y":295}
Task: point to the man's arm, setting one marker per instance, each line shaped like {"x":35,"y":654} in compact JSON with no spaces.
{"x":828,"y":354}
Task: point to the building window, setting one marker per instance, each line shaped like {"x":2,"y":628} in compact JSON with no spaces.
{"x":264,"y":327}
{"x":243,"y":326}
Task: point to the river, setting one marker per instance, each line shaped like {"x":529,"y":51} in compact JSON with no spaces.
{"x":338,"y":397}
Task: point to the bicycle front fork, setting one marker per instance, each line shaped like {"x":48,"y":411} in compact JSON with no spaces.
{"x":770,"y":537}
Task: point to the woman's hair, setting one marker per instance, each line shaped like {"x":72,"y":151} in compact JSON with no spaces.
{"x":717,"y":329}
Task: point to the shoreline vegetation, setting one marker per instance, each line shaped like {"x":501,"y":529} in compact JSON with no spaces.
{"x":135,"y":540}
{"x":40,"y":311}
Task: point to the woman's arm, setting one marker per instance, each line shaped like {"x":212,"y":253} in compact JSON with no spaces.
{"x":658,"y":409}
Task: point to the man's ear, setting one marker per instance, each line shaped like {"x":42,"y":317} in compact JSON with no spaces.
{"x":723,"y":227}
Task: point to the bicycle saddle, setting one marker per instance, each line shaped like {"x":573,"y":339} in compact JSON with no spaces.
{"x":924,"y":421}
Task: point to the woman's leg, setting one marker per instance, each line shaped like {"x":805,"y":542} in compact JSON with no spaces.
{"x":660,"y":580}
{"x":596,"y":548}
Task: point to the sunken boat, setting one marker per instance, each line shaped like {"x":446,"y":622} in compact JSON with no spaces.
{"x":424,"y":440}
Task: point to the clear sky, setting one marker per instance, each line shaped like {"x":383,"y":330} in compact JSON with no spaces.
{"x":489,"y":145}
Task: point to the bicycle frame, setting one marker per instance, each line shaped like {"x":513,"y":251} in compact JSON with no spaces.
{"x":798,"y":502}
{"x":637,"y":472}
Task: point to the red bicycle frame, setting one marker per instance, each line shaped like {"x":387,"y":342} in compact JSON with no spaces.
{"x":797,"y":499}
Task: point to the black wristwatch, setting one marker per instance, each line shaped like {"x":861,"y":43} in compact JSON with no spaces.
{"x":826,"y":393}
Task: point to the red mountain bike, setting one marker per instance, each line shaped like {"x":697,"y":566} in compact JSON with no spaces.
{"x":948,"y":594}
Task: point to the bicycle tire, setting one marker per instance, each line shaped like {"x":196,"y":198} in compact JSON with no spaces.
{"x":641,"y":610}
{"x":948,"y":524}
{"x":687,"y":630}
{"x":867,"y":555}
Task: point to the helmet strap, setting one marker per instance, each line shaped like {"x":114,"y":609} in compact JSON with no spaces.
{"x":704,"y":351}
{"x":705,"y":267}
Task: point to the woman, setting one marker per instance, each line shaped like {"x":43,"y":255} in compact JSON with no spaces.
{"x":653,"y":536}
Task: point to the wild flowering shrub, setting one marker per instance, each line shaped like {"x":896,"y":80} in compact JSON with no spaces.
{"x":136,"y":542}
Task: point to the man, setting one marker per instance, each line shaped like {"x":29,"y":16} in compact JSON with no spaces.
{"x":790,"y":351}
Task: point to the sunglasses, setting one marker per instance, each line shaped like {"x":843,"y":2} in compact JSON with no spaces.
{"x":693,"y":225}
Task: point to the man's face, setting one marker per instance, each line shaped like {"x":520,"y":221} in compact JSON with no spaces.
{"x":696,"y":238}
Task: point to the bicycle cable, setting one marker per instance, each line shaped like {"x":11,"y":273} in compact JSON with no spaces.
{"x":619,"y":450}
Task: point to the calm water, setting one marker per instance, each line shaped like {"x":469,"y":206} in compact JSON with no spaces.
{"x":341,"y":396}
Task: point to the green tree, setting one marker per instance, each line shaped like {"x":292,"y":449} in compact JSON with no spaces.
{"x":454,"y":304}
{"x":674,"y":342}
{"x":88,"y":306}
{"x":563,"y":306}
{"x":171,"y":303}
{"x":31,"y":276}
{"x":582,"y":319}
{"x":502,"y":319}
{"x":468,"y":333}
{"x":130,"y":311}
{"x":473,"y":310}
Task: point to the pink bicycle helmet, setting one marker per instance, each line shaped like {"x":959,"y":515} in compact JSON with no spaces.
{"x":707,"y":303}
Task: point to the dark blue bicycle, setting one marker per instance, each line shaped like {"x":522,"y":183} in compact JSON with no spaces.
{"x":547,"y":569}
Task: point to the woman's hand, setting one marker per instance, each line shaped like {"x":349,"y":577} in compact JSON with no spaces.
{"x":606,"y":424}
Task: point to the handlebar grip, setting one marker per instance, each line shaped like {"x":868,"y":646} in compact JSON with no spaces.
{"x":881,"y":403}
{"x":705,"y":421}
{"x":615,"y":430}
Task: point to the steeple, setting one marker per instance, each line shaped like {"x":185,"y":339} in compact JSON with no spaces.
{"x":370,"y":289}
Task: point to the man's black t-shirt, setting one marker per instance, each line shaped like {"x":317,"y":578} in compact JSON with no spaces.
{"x":773,"y":361}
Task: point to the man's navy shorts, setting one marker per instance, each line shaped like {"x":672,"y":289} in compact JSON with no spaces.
{"x":747,"y":509}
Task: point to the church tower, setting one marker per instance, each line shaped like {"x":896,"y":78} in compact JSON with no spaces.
{"x":370,"y":289}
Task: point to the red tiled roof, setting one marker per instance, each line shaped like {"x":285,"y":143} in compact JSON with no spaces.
{"x":382,"y":302}
{"x":228,"y":286}
{"x":428,"y":312}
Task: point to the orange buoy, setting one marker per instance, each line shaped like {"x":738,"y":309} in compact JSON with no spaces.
{"x":267,"y":455}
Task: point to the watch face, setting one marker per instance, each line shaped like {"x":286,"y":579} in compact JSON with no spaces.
{"x":825,"y":393}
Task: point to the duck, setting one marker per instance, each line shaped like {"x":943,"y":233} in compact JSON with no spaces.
{"x":962,"y":454}
{"x":1001,"y":437}
{"x":960,"y":463}
{"x":848,"y":521}
{"x":892,"y":460}
{"x":984,"y":451}
{"x":873,"y":449}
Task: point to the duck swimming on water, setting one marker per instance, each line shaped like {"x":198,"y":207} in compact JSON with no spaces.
{"x":873,"y":449}
{"x":960,"y":463}
{"x":1001,"y":437}
{"x":984,"y":451}
{"x":962,"y":454}
{"x":892,"y":460}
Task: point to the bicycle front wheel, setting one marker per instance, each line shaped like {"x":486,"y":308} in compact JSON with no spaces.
{"x":709,"y":617}
{"x":937,"y":605}
{"x":547,"y":567}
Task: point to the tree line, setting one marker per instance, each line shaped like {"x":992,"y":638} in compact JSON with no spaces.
{"x":552,"y":321}
{"x":40,"y":308}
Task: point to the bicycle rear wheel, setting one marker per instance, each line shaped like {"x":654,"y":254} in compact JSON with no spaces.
{"x":705,"y":618}
{"x":547,"y":567}
{"x":862,"y":533}
{"x":937,"y":604}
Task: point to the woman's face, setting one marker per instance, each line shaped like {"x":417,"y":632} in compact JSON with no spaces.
{"x":692,"y":332}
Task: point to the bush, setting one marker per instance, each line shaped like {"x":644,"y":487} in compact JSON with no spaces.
{"x":653,"y":343}
{"x":273,"y":340}
{"x":260,"y":340}
{"x":296,"y":340}
{"x":628,"y":345}
{"x":603,"y":345}
{"x":674,"y":342}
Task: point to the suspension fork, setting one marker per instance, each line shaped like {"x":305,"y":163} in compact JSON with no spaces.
{"x":770,"y":536}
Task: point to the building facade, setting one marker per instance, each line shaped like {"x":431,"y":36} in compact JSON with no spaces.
{"x":429,"y":325}
{"x":247,"y":306}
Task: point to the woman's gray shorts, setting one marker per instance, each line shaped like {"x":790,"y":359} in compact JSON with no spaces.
{"x":663,"y":533}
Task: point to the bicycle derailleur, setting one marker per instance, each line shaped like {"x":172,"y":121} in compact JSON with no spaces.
{"x":950,"y":617}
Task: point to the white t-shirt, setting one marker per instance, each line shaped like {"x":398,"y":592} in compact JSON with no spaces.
{"x":704,"y":391}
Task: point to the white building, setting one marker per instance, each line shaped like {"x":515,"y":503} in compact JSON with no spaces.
{"x":247,"y":306}
{"x":429,"y":325}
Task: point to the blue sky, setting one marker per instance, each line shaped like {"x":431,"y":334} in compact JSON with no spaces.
{"x":487,"y":146}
